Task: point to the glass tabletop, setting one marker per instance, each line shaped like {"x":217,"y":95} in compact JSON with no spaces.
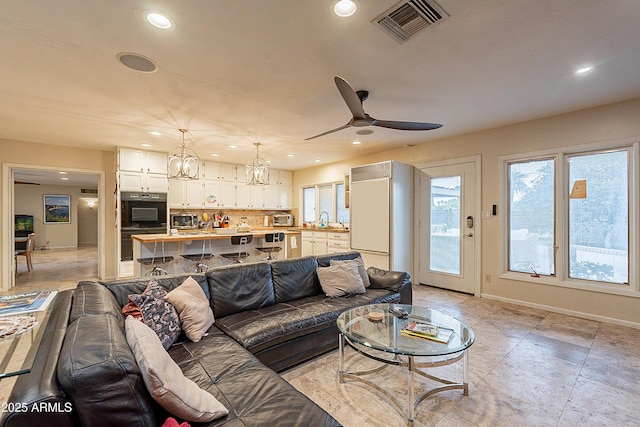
{"x":28,"y":314}
{"x":361,"y":327}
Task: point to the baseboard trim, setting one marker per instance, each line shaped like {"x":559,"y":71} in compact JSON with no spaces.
{"x":558,"y":310}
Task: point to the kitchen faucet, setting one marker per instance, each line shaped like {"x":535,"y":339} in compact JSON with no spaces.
{"x":320,"y":218}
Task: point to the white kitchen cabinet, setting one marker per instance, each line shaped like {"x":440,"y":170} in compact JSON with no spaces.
{"x":219,"y":171}
{"x":219,"y":194}
{"x":314,"y":243}
{"x":250,"y":196}
{"x":278,"y":197}
{"x":281,"y":178}
{"x":186,"y":194}
{"x":337,"y":242}
{"x":141,"y":170}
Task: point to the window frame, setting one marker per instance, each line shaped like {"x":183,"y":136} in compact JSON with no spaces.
{"x":334,"y":201}
{"x":561,"y":217}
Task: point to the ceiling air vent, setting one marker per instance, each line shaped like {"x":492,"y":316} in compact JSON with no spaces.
{"x":408,"y":17}
{"x":89,"y":191}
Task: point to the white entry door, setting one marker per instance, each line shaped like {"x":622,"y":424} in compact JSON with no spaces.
{"x":449,"y":227}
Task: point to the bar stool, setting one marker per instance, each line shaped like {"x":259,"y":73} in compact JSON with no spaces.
{"x":199,"y":266}
{"x":241,"y":241}
{"x":156,"y":270}
{"x":276,"y":239}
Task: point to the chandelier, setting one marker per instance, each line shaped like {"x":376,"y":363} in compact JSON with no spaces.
{"x":257,"y":170}
{"x":183,"y":163}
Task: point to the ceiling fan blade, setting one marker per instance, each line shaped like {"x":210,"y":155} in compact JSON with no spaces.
{"x":329,"y":131}
{"x":404,"y":125}
{"x":350,"y":97}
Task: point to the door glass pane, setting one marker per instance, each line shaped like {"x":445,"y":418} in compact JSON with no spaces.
{"x":531,"y":217}
{"x":598,"y":217}
{"x":309,"y":204}
{"x":444,"y":248}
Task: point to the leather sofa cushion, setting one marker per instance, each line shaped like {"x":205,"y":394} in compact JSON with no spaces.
{"x":258,"y":396}
{"x":239,"y":287}
{"x":121,"y":289}
{"x":259,"y":329}
{"x":93,"y":298}
{"x":99,"y":371}
{"x":295,"y":278}
{"x":384,"y":279}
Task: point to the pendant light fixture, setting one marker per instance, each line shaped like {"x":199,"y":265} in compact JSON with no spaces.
{"x":183,"y":163}
{"x":257,"y":170}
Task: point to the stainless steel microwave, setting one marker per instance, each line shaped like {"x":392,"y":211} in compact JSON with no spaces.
{"x":184,"y":221}
{"x":283,"y":220}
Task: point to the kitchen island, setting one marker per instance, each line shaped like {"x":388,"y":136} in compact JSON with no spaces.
{"x":208,"y":241}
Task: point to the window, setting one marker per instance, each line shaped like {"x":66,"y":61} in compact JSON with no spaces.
{"x":309,"y":204}
{"x":325,"y":199}
{"x":569,"y":214}
{"x":343,"y":212}
{"x":531,"y":217}
{"x":599,"y":216}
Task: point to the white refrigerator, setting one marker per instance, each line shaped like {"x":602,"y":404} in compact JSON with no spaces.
{"x":381,"y":210}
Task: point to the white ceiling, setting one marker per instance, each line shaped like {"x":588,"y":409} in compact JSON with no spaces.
{"x":239,"y":72}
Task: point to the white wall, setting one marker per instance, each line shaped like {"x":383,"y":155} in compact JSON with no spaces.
{"x":613,"y":122}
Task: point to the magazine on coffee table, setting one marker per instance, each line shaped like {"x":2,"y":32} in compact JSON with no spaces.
{"x":25,"y":302}
{"x":427,"y":331}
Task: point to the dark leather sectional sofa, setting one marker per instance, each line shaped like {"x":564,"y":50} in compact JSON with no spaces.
{"x":269,"y":317}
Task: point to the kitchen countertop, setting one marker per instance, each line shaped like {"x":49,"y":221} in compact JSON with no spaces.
{"x":187,"y":235}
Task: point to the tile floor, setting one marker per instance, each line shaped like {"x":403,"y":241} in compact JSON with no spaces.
{"x":527,"y":367}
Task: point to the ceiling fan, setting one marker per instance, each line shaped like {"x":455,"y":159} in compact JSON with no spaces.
{"x":354,"y":100}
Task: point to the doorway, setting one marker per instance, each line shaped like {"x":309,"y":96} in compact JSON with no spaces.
{"x":42,"y":176}
{"x":449,"y":225}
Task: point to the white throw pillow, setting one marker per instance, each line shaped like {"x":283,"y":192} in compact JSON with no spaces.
{"x":360,"y":263}
{"x":340,"y":279}
{"x":196,"y":316}
{"x":165,"y":381}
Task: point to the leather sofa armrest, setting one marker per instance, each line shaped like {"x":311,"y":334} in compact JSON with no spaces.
{"x":37,"y":396}
{"x":397,"y":281}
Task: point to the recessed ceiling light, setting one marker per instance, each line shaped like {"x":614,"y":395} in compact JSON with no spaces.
{"x":317,"y":160}
{"x":233,"y":146}
{"x":146,"y":145}
{"x":345,"y":8}
{"x":154,"y":133}
{"x":290,"y":155}
{"x":62,"y":173}
{"x":214,"y":154}
{"x":357,"y":142}
{"x":584,"y":70}
{"x":159,"y":21}
{"x":64,"y":178}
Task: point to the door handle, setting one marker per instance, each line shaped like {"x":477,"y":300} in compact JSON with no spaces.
{"x":468,"y":235}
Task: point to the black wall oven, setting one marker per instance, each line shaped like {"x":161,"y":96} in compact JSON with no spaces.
{"x":140,"y":213}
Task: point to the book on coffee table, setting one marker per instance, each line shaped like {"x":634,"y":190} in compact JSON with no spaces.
{"x":427,"y":331}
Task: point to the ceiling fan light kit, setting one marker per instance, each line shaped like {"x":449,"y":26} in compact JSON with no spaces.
{"x":258,"y":169}
{"x":354,"y":100}
{"x":183,"y":163}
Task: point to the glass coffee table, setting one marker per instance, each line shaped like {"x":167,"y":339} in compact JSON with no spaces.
{"x":383,"y":340}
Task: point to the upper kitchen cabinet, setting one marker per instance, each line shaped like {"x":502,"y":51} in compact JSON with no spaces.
{"x":219,"y":171}
{"x":278,"y":194}
{"x":141,"y":170}
{"x":186,"y":194}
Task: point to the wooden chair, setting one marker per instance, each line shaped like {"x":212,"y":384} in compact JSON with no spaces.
{"x":27,"y":252}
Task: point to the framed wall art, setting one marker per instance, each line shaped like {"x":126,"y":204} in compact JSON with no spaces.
{"x":57,"y":209}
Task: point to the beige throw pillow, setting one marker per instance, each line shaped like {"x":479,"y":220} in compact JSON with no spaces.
{"x":196,"y":316}
{"x":165,"y":381}
{"x":340,"y":279}
{"x":360,"y":264}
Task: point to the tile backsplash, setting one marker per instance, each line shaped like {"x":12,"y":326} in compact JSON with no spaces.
{"x":255,"y":218}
